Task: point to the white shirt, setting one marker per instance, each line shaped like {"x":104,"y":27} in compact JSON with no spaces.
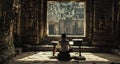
{"x":64,"y":45}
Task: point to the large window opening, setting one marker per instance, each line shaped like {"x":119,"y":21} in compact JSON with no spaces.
{"x":66,"y":17}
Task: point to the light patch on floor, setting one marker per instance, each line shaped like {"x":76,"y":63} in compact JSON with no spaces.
{"x":39,"y":56}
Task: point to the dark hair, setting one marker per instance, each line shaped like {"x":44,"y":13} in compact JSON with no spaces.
{"x":63,"y":35}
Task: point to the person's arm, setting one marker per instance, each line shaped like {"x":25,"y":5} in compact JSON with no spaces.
{"x":69,"y":45}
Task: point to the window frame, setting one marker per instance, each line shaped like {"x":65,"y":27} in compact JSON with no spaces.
{"x":84,"y":35}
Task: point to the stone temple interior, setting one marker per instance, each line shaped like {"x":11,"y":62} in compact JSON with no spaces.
{"x":29,"y":30}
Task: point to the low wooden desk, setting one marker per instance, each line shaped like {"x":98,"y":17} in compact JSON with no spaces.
{"x":78,"y":42}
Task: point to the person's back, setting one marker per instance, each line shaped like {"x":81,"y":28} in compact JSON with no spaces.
{"x":64,"y":49}
{"x":64,"y":45}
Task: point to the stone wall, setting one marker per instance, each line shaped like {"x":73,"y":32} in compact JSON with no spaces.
{"x":7,"y":50}
{"x":32,"y":21}
{"x":101,"y":20}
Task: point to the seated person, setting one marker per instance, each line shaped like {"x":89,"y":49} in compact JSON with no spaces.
{"x":64,"y":48}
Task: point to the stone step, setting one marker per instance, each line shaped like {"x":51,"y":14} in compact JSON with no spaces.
{"x":74,"y":48}
{"x":116,"y":51}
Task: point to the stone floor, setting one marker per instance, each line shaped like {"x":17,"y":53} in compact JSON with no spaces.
{"x":47,"y":58}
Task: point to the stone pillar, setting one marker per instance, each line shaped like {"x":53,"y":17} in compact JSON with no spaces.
{"x":16,"y":10}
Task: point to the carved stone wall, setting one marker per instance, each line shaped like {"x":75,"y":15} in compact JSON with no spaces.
{"x":30,"y":21}
{"x":7,"y":49}
{"x":102,"y":23}
{"x":33,"y":21}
